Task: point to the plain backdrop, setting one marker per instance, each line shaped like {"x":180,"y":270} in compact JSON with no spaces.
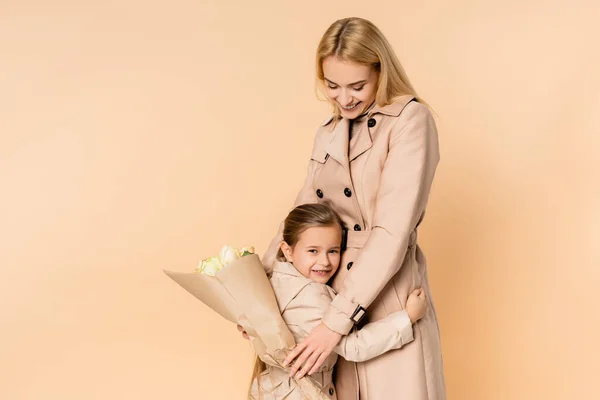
{"x":142,"y":135}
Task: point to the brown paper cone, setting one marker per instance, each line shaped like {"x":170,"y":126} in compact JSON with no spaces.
{"x":242,"y":294}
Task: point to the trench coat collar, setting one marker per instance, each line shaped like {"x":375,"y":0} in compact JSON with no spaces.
{"x":394,"y":109}
{"x":337,"y":148}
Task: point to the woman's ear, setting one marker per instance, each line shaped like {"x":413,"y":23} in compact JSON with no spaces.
{"x":287,"y":251}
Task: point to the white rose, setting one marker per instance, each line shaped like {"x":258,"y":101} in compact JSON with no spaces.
{"x":200,"y":266}
{"x":227,"y":255}
{"x":211,"y":265}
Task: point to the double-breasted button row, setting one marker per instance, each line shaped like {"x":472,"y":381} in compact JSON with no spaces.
{"x":331,"y":391}
{"x":347,"y":193}
{"x":357,"y":227}
{"x":350,"y":264}
{"x":371,"y":123}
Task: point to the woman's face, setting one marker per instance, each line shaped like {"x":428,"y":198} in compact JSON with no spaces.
{"x":351,"y":86}
{"x":316,"y":255}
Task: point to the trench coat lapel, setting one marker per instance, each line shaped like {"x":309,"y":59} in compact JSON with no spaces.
{"x":337,"y":148}
{"x":363,"y":140}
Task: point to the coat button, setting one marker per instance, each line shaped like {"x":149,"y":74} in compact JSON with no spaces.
{"x":348,"y":192}
{"x":331,"y":391}
{"x":357,"y":227}
{"x":371,"y":122}
{"x":350,"y":264}
{"x":320,"y":193}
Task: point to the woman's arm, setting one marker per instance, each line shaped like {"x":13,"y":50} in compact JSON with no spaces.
{"x":401,"y":199}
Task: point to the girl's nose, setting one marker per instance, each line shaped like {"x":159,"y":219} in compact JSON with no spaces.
{"x":324,"y":259}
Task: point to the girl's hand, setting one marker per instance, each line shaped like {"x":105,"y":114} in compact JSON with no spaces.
{"x":244,"y":334}
{"x":416,"y":305}
{"x":312,"y":352}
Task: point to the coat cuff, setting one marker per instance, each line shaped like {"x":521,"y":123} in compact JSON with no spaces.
{"x":342,"y":314}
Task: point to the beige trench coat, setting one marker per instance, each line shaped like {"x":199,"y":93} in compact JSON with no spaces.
{"x":379,"y":183}
{"x":302,"y":303}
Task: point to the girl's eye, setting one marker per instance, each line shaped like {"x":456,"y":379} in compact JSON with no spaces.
{"x":333,"y":251}
{"x":312,"y":251}
{"x":331,"y":87}
{"x":358,"y":89}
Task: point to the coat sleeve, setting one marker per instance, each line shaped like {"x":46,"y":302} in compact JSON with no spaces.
{"x":404,"y":188}
{"x":304,"y":313}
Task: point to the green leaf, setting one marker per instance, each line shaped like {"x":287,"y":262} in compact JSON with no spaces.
{"x":246,"y":253}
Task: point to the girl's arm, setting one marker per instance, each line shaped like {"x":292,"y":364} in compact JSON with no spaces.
{"x":304,"y":313}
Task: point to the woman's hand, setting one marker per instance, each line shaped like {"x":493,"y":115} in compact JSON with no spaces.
{"x":312,"y":352}
{"x":244,"y":334}
{"x":416,"y":305}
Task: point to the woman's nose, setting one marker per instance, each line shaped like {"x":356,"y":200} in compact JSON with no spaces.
{"x":345,"y":98}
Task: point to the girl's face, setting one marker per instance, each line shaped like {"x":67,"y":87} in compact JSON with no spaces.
{"x":351,"y":86}
{"x":316,"y":255}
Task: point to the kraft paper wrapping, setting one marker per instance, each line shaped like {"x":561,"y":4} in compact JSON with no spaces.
{"x":241,"y":293}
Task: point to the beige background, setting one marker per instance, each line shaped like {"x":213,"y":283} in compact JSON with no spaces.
{"x":137,"y":136}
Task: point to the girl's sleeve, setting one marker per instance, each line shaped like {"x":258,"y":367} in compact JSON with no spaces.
{"x":305,"y":312}
{"x":404,"y":188}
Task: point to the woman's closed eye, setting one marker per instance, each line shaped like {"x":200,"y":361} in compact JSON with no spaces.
{"x":356,"y":89}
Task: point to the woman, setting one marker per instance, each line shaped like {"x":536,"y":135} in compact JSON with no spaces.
{"x":373,"y":161}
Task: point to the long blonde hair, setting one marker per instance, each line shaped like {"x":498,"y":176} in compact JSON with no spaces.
{"x":359,"y":40}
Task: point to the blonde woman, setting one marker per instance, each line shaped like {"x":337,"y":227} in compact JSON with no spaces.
{"x":373,"y":162}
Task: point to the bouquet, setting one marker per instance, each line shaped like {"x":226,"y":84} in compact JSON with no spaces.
{"x":236,"y":286}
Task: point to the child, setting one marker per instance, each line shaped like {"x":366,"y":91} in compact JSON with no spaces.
{"x":308,"y":258}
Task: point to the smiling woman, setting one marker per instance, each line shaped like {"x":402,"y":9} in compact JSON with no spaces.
{"x":373,"y":161}
{"x":351,"y":86}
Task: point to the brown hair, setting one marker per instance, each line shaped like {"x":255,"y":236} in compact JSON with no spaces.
{"x":359,"y":40}
{"x":298,"y":220}
{"x":307,"y":216}
{"x":259,"y":367}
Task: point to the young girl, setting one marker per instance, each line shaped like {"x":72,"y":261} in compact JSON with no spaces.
{"x":308,"y":257}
